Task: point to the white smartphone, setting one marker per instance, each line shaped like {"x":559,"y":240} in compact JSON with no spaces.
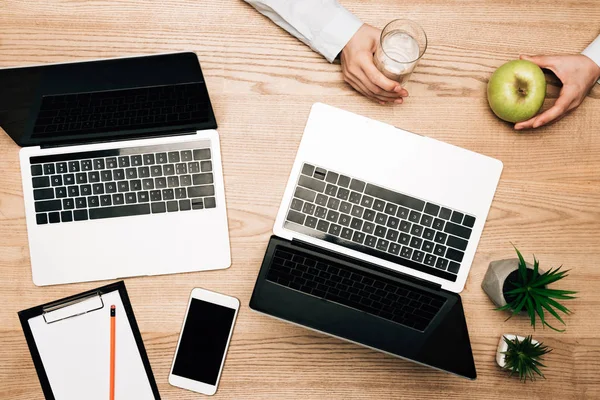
{"x":203,"y":342}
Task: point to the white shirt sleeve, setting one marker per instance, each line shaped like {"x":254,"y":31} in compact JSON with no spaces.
{"x":324,"y":25}
{"x":593,"y":51}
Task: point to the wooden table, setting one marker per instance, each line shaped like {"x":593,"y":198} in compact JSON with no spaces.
{"x":262,"y":83}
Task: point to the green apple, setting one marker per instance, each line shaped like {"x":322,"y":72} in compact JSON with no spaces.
{"x":516,"y":90}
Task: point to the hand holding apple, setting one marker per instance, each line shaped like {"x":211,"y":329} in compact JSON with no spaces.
{"x":516,"y":90}
{"x":578,"y":75}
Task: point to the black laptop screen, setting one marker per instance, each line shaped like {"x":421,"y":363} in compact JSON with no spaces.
{"x":107,"y":99}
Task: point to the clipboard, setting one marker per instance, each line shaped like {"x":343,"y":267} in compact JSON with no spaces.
{"x":69,"y":343}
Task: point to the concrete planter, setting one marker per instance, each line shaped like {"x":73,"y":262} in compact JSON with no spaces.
{"x":495,"y":276}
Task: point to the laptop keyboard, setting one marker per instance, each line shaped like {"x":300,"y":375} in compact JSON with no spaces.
{"x":371,"y":219}
{"x":128,"y":109}
{"x":122,"y":182}
{"x":377,"y":296}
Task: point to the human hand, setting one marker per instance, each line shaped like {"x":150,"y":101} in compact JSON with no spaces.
{"x":578,"y":75}
{"x":362,"y":74}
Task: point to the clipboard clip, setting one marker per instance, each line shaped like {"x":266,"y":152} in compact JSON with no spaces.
{"x":75,"y":307}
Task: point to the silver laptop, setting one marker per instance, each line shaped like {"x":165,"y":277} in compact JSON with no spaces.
{"x":371,"y":191}
{"x":121,"y":167}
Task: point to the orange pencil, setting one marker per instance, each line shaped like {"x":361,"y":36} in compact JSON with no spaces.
{"x":112,"y":351}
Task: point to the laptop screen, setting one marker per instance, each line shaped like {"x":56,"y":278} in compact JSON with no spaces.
{"x":104,"y":100}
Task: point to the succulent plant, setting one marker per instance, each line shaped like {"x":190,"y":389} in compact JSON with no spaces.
{"x":523,"y":358}
{"x":531,"y":293}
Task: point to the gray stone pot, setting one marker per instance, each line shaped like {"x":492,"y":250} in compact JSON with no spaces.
{"x":494,"y":278}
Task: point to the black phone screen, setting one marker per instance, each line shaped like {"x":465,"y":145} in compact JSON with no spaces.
{"x":203,"y":341}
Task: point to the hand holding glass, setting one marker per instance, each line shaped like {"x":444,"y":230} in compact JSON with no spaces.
{"x":403,"y":42}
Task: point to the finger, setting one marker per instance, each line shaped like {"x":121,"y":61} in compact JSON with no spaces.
{"x":541,"y":61}
{"x":378,"y":79}
{"x":365,"y":91}
{"x":377,"y":82}
{"x":361,"y":81}
{"x":376,"y":90}
{"x":360,"y":88}
{"x":562,"y":105}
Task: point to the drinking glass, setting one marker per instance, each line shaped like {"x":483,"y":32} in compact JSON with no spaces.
{"x":403,"y":43}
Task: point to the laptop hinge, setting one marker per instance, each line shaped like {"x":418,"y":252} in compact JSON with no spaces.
{"x":80,"y":141}
{"x":371,"y":266}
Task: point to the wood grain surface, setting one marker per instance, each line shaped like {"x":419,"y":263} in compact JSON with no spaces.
{"x":262,"y":83}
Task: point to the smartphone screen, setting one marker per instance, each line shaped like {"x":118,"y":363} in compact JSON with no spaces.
{"x":203,"y":341}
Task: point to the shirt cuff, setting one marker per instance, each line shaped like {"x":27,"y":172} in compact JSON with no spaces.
{"x":593,"y":52}
{"x":334,"y":36}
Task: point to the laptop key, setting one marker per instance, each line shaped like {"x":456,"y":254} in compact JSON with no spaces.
{"x":185,"y":205}
{"x":343,"y":194}
{"x":36,"y":170}
{"x":322,"y":225}
{"x":305,"y":194}
{"x":382,"y":244}
{"x":469,"y":221}
{"x":358,"y":237}
{"x":136,"y":160}
{"x":370,"y":241}
{"x":201,"y":191}
{"x":49,"y":169}
{"x":453,"y":267}
{"x":186,"y":155}
{"x":416,"y":243}
{"x":457,"y":243}
{"x":308,"y":208}
{"x":320,"y":212}
{"x":130,"y":198}
{"x":54,"y":217}
{"x":49,"y":205}
{"x":335,"y":229}
{"x":161,"y":158}
{"x":406,"y":252}
{"x":404,"y":239}
{"x":347,"y":233}
{"x":201,"y":154}
{"x":43,"y":194}
{"x":119,"y":211}
{"x":311,"y":222}
{"x":457,"y":230}
{"x":430,"y":260}
{"x":197,"y":204}
{"x":356,"y":223}
{"x":143,"y":197}
{"x":41,"y":181}
{"x":441,"y":263}
{"x":330,"y":189}
{"x":418,"y":256}
{"x":80,"y":202}
{"x":445,"y":213}
{"x":149,"y":159}
{"x":440,"y":237}
{"x":295,"y":216}
{"x":180,"y":193}
{"x":454,"y":254}
{"x":439,"y":250}
{"x":343,"y":220}
{"x":172,"y":206}
{"x":311,"y":183}
{"x":80,"y":215}
{"x":94,"y":176}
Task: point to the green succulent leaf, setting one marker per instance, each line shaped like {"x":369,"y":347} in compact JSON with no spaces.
{"x":523,"y":358}
{"x":530,"y":293}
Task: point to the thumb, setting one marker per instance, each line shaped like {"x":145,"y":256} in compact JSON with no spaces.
{"x":541,"y":61}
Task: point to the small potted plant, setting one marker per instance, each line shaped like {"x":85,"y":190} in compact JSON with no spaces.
{"x":521,"y":356}
{"x":518,"y":286}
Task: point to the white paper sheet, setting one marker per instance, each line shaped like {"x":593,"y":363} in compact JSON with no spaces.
{"x":76,"y":355}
